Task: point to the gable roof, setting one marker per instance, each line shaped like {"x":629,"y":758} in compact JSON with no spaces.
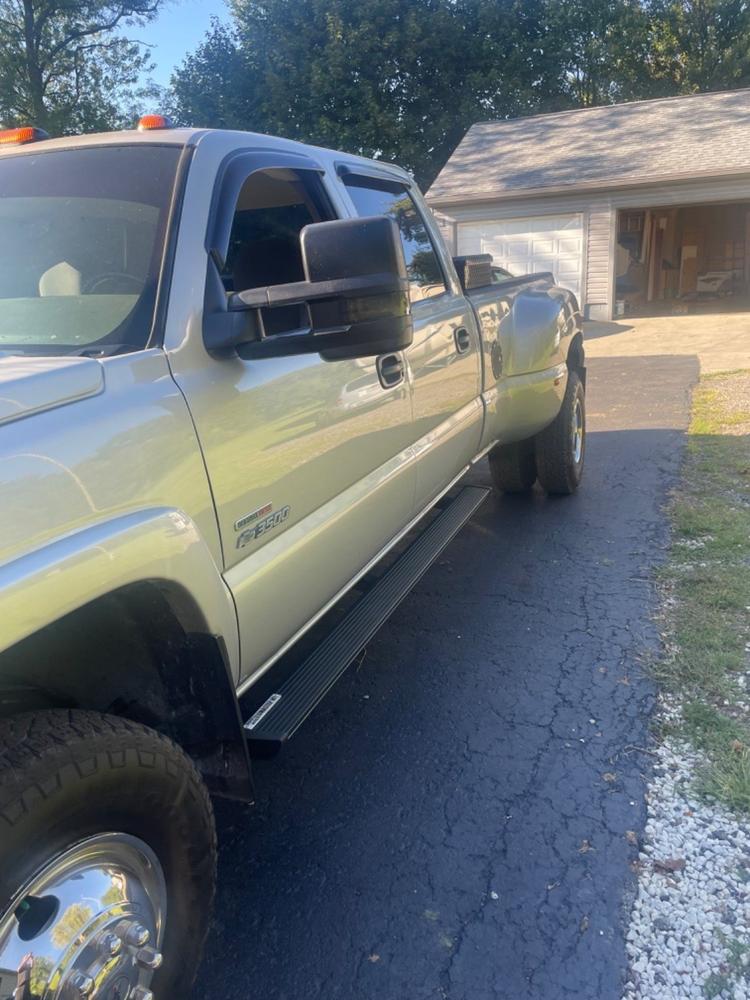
{"x":616,"y":145}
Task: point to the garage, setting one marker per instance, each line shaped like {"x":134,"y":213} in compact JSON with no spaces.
{"x":544,"y":243}
{"x":640,"y":208}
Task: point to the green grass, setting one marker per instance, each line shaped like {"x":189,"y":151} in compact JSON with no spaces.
{"x":736,"y":966}
{"x":707,"y":583}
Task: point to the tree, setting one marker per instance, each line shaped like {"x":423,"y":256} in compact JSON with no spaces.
{"x":63,"y":66}
{"x":397,"y":79}
{"x":40,"y":975}
{"x":600,"y":52}
{"x":72,"y":921}
{"x":216,"y":86}
{"x":702,"y":44}
{"x":402,"y":80}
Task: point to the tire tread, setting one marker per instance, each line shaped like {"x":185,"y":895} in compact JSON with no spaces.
{"x":554,"y":463}
{"x":513,"y":467}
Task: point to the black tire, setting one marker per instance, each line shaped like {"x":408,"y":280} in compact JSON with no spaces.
{"x":68,"y":775}
{"x":558,"y":468}
{"x":513,"y":467}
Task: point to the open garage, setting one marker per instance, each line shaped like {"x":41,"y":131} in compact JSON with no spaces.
{"x":688,"y":259}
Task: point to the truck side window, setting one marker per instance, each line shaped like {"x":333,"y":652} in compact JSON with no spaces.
{"x":373,"y":196}
{"x":272,"y":208}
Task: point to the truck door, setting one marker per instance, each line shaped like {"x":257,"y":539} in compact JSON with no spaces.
{"x":445,"y":358}
{"x":307,"y":459}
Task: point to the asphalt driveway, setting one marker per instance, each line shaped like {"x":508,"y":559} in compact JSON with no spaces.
{"x":452,"y":823}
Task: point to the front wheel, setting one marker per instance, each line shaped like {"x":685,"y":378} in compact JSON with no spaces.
{"x":107,"y":859}
{"x":561,"y":448}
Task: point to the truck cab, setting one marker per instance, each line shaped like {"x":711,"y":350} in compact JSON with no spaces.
{"x":236,"y":374}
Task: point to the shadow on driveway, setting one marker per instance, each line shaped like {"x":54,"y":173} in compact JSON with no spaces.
{"x":451,"y":822}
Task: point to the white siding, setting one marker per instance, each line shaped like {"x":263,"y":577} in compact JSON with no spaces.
{"x":447,"y":227}
{"x":600,"y":220}
{"x":691,"y":193}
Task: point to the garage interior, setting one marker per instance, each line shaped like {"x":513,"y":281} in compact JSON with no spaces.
{"x":688,"y":259}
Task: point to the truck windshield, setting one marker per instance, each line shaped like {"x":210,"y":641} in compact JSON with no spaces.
{"x":81,"y":242}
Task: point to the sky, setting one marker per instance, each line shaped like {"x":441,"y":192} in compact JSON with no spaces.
{"x":177,"y":31}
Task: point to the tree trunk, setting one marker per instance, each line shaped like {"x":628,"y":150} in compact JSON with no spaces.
{"x":33,"y":68}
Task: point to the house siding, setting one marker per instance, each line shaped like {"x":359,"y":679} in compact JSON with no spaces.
{"x":599,"y":231}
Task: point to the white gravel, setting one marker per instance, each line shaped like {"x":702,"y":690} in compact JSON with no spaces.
{"x":689,"y":934}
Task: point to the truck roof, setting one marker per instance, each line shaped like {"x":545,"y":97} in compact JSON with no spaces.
{"x":173,"y":136}
{"x":183,"y":137}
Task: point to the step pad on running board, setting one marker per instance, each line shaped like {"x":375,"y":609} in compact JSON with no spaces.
{"x":283,"y":713}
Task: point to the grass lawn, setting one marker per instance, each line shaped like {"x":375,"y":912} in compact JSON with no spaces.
{"x":706,"y":661}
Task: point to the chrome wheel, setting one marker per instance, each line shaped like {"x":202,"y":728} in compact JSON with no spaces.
{"x":577,"y":432}
{"x":89,"y":924}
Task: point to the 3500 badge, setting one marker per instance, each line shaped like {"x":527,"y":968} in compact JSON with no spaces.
{"x":262,"y":525}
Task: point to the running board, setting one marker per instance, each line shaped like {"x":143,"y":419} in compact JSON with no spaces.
{"x":281,"y":715}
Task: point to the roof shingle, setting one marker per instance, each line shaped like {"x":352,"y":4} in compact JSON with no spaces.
{"x":703,"y":134}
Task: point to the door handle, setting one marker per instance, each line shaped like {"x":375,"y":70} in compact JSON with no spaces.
{"x":463,"y":339}
{"x":390,"y":370}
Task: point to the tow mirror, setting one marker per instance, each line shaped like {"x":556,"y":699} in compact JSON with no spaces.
{"x":354,"y":302}
{"x":474,"y":270}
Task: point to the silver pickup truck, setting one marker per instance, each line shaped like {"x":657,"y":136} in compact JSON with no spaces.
{"x":236,"y":372}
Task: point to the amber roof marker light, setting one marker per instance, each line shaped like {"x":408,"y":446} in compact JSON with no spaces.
{"x":20,"y":136}
{"x":149,"y":123}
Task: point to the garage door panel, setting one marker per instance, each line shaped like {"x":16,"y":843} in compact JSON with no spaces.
{"x":544,"y":264}
{"x":514,"y":248}
{"x":542,"y":243}
{"x":572,"y":246}
{"x":542,"y":247}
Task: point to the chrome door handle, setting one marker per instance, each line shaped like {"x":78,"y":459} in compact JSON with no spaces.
{"x":463,"y":339}
{"x":390,"y":370}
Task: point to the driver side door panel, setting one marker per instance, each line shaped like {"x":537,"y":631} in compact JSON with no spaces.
{"x":309,"y":460}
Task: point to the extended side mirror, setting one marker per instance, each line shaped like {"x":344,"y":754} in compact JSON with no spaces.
{"x":474,"y":270}
{"x":355,"y":299}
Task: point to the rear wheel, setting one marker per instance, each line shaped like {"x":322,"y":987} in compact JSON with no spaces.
{"x":107,"y":859}
{"x":513,"y":467}
{"x":561,"y":447}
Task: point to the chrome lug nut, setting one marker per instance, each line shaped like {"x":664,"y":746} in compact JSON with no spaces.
{"x":141,"y":993}
{"x":149,"y":958}
{"x":80,"y":986}
{"x":110,"y":945}
{"x":133,"y":933}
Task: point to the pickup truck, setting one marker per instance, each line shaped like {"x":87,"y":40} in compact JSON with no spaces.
{"x":236,"y":374}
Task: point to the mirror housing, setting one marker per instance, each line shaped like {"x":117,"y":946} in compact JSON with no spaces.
{"x":355,"y":297}
{"x":474,"y":270}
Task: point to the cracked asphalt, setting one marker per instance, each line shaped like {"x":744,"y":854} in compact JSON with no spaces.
{"x":451,"y":822}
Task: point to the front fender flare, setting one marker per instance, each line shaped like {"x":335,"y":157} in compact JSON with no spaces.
{"x":160,"y":545}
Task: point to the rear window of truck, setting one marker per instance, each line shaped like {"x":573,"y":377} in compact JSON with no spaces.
{"x":373,"y":196}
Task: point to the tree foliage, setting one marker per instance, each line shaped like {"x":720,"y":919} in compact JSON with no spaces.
{"x":73,"y":920}
{"x":397,"y":79}
{"x":403,"y":79}
{"x":601,"y":52}
{"x":65,"y":66}
{"x":400,"y":79}
{"x":702,"y":44}
{"x":40,"y":973}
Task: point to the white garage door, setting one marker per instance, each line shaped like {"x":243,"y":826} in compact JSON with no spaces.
{"x":546,"y":243}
